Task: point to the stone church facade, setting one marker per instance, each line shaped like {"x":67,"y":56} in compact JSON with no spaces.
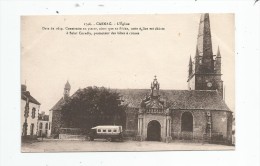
{"x":198,"y":113}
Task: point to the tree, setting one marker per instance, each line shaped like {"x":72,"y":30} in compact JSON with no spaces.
{"x":93,"y":106}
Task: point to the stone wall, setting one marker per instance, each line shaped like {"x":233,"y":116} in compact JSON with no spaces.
{"x":229,"y":127}
{"x":131,"y":122}
{"x":199,"y":123}
{"x":56,"y":122}
{"x":221,"y":125}
{"x":202,"y":80}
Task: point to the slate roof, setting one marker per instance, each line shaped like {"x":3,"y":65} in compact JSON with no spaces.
{"x":60,"y":103}
{"x":26,"y":94}
{"x":178,"y":99}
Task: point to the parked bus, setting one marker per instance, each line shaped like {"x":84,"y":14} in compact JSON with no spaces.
{"x":110,"y":133}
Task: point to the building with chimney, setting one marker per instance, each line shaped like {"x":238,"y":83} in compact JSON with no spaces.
{"x":198,"y":113}
{"x":29,"y":114}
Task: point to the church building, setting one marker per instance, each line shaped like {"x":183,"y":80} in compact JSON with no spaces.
{"x":198,"y":113}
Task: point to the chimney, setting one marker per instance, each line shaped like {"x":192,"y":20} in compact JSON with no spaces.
{"x":23,"y":88}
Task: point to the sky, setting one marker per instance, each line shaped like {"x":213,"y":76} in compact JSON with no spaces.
{"x":50,"y":57}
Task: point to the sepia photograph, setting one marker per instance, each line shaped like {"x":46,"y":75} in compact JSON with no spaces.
{"x":147,"y":82}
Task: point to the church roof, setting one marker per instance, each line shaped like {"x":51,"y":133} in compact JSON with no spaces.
{"x":26,"y":94}
{"x":58,"y":105}
{"x":178,"y":99}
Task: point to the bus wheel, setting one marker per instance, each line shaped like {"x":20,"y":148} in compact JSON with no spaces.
{"x":109,"y":139}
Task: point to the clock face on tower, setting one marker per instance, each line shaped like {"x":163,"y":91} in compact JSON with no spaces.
{"x":209,"y":84}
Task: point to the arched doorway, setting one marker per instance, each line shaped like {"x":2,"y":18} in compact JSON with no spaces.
{"x":154,"y":131}
{"x":187,"y":125}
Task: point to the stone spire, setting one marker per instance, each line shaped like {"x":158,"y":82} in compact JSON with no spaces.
{"x":190,"y":67}
{"x":198,"y":60}
{"x":204,"y":45}
{"x":217,"y":66}
{"x":218,"y":53}
{"x":207,"y":72}
{"x":67,"y":85}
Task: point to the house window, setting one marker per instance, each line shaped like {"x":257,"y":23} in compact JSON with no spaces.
{"x":33,"y":112}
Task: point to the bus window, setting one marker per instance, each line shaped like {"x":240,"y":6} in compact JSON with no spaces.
{"x":104,"y":130}
{"x":109,"y":130}
{"x":114,"y":130}
{"x":99,"y":130}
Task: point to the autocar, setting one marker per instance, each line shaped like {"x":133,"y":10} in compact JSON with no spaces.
{"x":110,"y":133}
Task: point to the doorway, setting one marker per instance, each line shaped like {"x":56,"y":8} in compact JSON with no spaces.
{"x":32,"y":129}
{"x":154,"y":131}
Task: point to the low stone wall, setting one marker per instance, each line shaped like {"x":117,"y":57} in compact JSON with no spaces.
{"x":72,"y":137}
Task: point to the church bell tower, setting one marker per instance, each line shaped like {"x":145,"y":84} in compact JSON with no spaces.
{"x":66,"y":92}
{"x":205,"y":70}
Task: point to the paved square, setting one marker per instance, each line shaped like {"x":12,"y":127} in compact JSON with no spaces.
{"x":102,"y":145}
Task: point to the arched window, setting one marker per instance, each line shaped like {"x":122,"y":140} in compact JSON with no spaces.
{"x":187,"y":122}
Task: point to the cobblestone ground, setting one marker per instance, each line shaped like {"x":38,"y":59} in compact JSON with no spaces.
{"x":102,"y":145}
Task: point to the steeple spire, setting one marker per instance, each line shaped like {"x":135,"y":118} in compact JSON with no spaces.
{"x":67,"y":85}
{"x":190,"y":67}
{"x":66,"y":93}
{"x":207,"y":72}
{"x":218,"y":53}
{"x":217,"y":66}
{"x":204,"y":45}
{"x":198,"y":60}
